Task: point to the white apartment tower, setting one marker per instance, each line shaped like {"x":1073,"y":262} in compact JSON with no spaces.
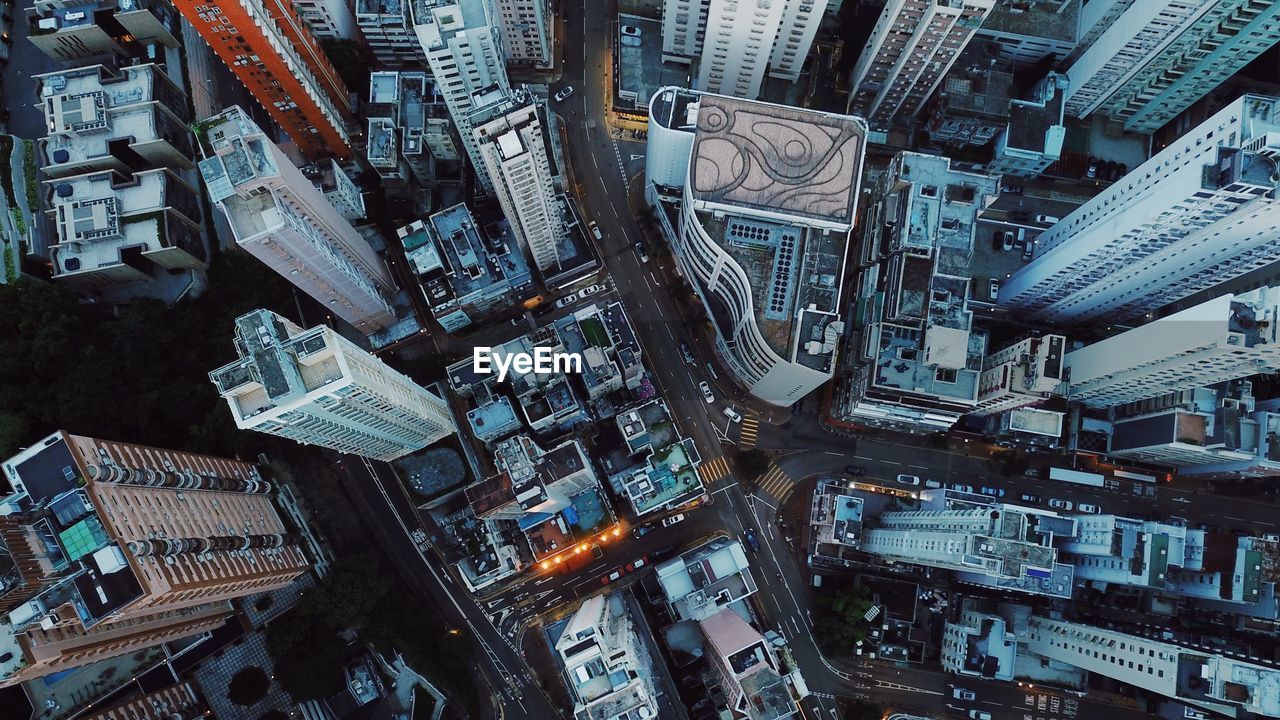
{"x":738,"y":41}
{"x":1197,"y":214}
{"x":278,"y":216}
{"x":526,"y":30}
{"x":388,"y":30}
{"x":1158,"y":57}
{"x":606,"y":662}
{"x":316,"y":387}
{"x":1226,"y":338}
{"x":509,"y":138}
{"x":464,"y":53}
{"x":913,"y":45}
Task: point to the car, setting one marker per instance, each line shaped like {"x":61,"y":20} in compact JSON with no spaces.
{"x":1092,"y":172}
{"x":567,"y":300}
{"x":706,"y":392}
{"x":613,"y":576}
{"x":1028,"y":250}
{"x":1057,"y":504}
{"x":1047,"y":219}
{"x":1006,"y":241}
{"x":991,"y":492}
{"x":595,"y":230}
{"x":855,"y":470}
{"x":994,"y":289}
{"x":961,"y":488}
{"x":673,"y":520}
{"x":1029,"y":498}
{"x":1088,"y":508}
{"x":631,"y":30}
{"x":962,"y":694}
{"x":687,"y":354}
{"x":637,"y":563}
{"x":662,"y":552}
{"x":908,"y":480}
{"x":590,"y":290}
{"x":640,"y":531}
{"x":640,"y":253}
{"x":1018,"y":215}
{"x":932,"y":484}
{"x":750,"y":536}
{"x":1271,"y":537}
{"x":733,"y":415}
{"x":979,"y":715}
{"x":564,"y":93}
{"x":1012,"y":189}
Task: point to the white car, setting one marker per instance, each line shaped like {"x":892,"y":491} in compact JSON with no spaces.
{"x":962,"y":488}
{"x":640,"y":253}
{"x":908,"y":479}
{"x":569,"y":299}
{"x":733,"y":415}
{"x":1057,"y":504}
{"x":1088,"y":508}
{"x":669,"y":521}
{"x":595,"y":230}
{"x":979,"y":715}
{"x":706,"y":392}
{"x":994,"y":289}
{"x":590,"y":290}
{"x":1047,"y":219}
{"x":564,"y":93}
{"x":962,"y":694}
{"x":631,"y":31}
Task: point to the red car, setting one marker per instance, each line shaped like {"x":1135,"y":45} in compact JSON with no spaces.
{"x":639,"y":563}
{"x":611,"y":576}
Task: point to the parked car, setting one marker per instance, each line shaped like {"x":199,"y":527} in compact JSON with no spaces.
{"x":962,"y":694}
{"x":687,"y":354}
{"x":855,"y":470}
{"x":662,"y":552}
{"x":733,"y":415}
{"x":750,"y":536}
{"x":590,"y":290}
{"x":641,"y":530}
{"x":631,"y":30}
{"x":567,"y":300}
{"x":564,"y":93}
{"x":1089,"y":508}
{"x":1047,"y":219}
{"x":706,"y":392}
{"x":908,"y":480}
{"x":962,"y":488}
{"x":1019,"y":215}
{"x":932,"y":484}
{"x":640,"y":253}
{"x":1057,"y":504}
{"x":1028,"y":250}
{"x":991,"y":492}
{"x":1012,"y":189}
{"x":1271,"y":537}
{"x":637,"y":563}
{"x":1006,"y":241}
{"x":611,"y":577}
{"x":1029,"y":498}
{"x":1092,"y":172}
{"x":994,"y":289}
{"x":979,"y":715}
{"x":673,"y":520}
{"x":595,"y":230}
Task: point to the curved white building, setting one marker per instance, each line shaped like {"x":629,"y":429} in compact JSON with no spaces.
{"x":758,"y":201}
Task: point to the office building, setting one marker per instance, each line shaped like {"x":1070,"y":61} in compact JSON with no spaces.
{"x":1158,"y":57}
{"x":71,"y":32}
{"x":511,"y":142}
{"x":1027,"y":31}
{"x":747,"y":668}
{"x":709,"y":578}
{"x":98,"y":118}
{"x":466,"y":272}
{"x":978,"y":645}
{"x":606,"y":663}
{"x":115,"y":230}
{"x":410,"y":132}
{"x":388,"y":30}
{"x":279,"y":217}
{"x":1024,"y":373}
{"x":464,"y":53}
{"x":916,"y":357}
{"x":1228,"y":338}
{"x":328,"y":19}
{"x":316,"y":387}
{"x":760,"y":235}
{"x":912,"y":47}
{"x":1197,"y":214}
{"x":527,"y":28}
{"x":109,"y":548}
{"x":273,"y":53}
{"x":736,"y":47}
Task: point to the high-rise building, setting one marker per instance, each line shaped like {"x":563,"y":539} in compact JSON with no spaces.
{"x":272,"y":51}
{"x":607,"y":662}
{"x":527,"y":27}
{"x":1197,"y":214}
{"x":388,"y":29}
{"x":279,"y":217}
{"x":108,"y":548}
{"x":1027,"y":31}
{"x":1227,"y":338}
{"x":747,"y":668}
{"x":328,"y":19}
{"x":318,"y":388}
{"x":464,"y":53}
{"x":1158,"y":57}
{"x":762,"y":233}
{"x":1032,"y":141}
{"x":913,"y":45}
{"x":69,"y":31}
{"x":409,"y":128}
{"x":1024,"y":373}
{"x":735,"y":47}
{"x":510,"y":139}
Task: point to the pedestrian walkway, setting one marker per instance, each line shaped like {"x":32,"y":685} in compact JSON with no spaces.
{"x":750,"y":431}
{"x":714,"y":469}
{"x":776,"y":484}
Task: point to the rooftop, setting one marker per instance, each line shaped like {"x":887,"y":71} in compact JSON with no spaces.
{"x":282,"y":361}
{"x":777,"y":159}
{"x":706,"y":579}
{"x":1055,"y":19}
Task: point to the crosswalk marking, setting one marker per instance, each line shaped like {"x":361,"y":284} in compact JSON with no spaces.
{"x":775,"y":483}
{"x":750,"y":432}
{"x":713,"y":470}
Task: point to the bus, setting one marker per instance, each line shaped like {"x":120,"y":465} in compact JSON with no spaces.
{"x":1077,"y":477}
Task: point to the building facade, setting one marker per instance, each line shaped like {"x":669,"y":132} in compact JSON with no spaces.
{"x":113,"y":547}
{"x":1227,"y":338}
{"x":912,"y":47}
{"x":328,"y":19}
{"x":1197,"y":214}
{"x":765,"y":256}
{"x":409,"y":128}
{"x":278,"y":216}
{"x":388,"y":29}
{"x":271,"y":50}
{"x":527,"y":31}
{"x":72,"y":32}
{"x":315,"y":387}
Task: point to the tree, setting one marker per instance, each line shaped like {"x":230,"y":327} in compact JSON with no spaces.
{"x":844,"y":624}
{"x":248,"y":686}
{"x":752,"y":463}
{"x":307,"y":654}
